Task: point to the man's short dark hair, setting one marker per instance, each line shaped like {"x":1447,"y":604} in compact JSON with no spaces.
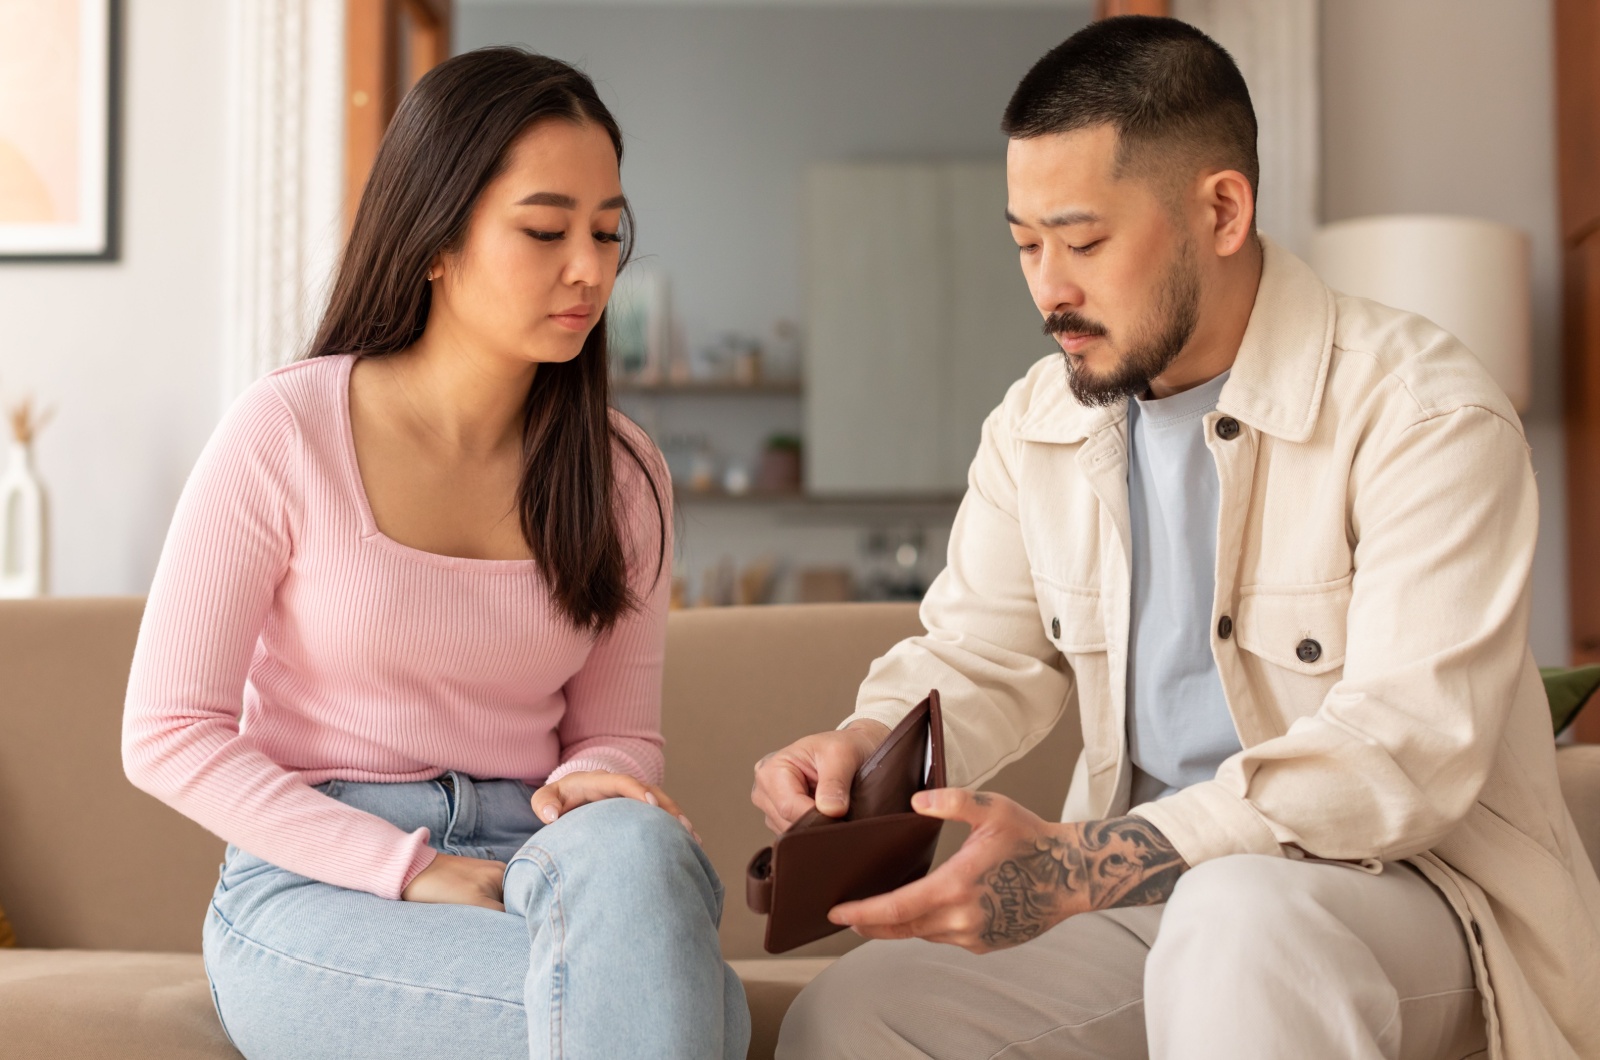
{"x":1172,"y":93}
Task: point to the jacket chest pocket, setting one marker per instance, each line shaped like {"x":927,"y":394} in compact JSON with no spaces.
{"x":1292,"y":643}
{"x":1073,"y":618}
{"x":1074,"y":621}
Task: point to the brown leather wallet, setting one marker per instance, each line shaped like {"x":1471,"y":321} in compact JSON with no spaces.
{"x":879,"y":844}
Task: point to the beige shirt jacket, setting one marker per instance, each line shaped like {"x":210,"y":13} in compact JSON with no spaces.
{"x":1376,"y":531}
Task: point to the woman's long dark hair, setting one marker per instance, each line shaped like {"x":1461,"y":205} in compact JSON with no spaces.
{"x":450,"y":137}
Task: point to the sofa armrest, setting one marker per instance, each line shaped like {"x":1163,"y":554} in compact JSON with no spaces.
{"x":1579,"y":769}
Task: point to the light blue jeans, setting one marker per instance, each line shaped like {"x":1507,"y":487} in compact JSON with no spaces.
{"x":607,"y":948}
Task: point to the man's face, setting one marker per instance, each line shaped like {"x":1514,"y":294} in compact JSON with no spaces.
{"x":1108,"y":261}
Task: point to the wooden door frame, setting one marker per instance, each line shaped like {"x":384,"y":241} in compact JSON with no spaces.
{"x":1577,"y":47}
{"x":1113,"y":8}
{"x":379,"y":36}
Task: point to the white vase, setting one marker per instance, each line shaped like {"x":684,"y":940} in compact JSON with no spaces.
{"x":21,"y":527}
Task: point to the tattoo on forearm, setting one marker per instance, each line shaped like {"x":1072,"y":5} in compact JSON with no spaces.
{"x":1119,"y":862}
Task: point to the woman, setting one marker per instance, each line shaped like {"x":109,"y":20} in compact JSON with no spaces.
{"x":414,"y":576}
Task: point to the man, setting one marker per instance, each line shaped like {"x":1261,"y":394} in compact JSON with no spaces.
{"x":1275,"y":544}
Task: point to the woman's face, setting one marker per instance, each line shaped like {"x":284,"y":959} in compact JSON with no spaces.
{"x":541,"y":251}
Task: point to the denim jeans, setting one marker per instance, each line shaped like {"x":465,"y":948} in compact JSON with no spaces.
{"x":607,"y":948}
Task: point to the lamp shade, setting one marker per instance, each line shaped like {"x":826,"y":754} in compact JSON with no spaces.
{"x":1469,"y":276}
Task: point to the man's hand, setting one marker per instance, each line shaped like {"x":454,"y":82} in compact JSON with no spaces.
{"x":814,"y":772}
{"x":1017,"y":876}
{"x":576,"y":789}
{"x":451,"y":879}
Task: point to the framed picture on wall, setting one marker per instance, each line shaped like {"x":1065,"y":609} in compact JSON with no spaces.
{"x":58,"y":125}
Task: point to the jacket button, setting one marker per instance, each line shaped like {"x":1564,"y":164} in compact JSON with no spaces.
{"x":1055,"y":629}
{"x":1224,"y":627}
{"x":1227,"y":428}
{"x":1308,"y":651}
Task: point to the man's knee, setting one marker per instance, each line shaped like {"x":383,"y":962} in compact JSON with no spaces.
{"x":857,"y":1006}
{"x":1245,"y":902}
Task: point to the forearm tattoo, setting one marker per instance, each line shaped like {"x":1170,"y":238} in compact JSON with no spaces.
{"x":1117,"y":862}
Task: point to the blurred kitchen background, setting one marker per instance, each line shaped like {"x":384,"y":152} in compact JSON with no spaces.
{"x":826,"y":300}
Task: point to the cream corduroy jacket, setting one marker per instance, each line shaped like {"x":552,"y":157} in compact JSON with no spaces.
{"x":1376,"y":531}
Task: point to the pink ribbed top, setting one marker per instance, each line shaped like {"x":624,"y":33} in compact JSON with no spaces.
{"x":287,"y":642}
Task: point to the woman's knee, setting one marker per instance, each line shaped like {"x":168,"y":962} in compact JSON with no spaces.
{"x":622,"y":847}
{"x":624,"y":831}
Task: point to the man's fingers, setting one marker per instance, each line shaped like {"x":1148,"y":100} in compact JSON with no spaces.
{"x":836,"y":770}
{"x":792,"y":805}
{"x":956,"y":804}
{"x":898,"y":907}
{"x":782,"y":793}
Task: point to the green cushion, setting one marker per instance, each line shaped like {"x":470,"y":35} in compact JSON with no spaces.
{"x":1568,"y":691}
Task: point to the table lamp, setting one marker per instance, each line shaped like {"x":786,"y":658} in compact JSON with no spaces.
{"x":1469,"y":276}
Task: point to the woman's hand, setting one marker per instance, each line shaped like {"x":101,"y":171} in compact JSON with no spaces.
{"x":454,"y":880}
{"x":575,"y":789}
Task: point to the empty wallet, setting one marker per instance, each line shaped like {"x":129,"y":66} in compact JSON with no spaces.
{"x":879,"y":844}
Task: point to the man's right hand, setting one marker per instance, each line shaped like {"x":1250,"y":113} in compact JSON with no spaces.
{"x":814,"y":772}
{"x":451,"y":879}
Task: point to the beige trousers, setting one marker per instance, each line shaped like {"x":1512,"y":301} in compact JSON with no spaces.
{"x":1253,"y":957}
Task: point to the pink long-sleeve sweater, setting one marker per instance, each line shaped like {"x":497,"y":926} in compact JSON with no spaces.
{"x":287,"y":642}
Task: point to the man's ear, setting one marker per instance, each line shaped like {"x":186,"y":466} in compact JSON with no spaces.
{"x":1232,"y":203}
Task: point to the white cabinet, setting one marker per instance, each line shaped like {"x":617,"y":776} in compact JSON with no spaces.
{"x":918,"y":319}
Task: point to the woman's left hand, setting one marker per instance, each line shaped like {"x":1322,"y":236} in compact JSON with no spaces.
{"x":575,"y":789}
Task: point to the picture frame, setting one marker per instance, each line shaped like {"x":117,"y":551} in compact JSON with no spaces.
{"x":59,"y":130}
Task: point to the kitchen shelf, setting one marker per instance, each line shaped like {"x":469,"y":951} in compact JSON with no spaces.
{"x":684,"y":496}
{"x":790,"y":388}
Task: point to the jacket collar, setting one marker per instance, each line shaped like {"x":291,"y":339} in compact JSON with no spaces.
{"x":1277,"y":379}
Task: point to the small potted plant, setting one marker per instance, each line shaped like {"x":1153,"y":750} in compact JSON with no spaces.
{"x":780,"y":465}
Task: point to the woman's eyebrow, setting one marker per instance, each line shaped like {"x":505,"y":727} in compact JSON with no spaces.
{"x":567,"y":202}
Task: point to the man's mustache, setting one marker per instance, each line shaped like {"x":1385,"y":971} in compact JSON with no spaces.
{"x":1070,"y":323}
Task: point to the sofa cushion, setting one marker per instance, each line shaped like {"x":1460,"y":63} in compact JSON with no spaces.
{"x":771,"y":986}
{"x":107,"y":1006}
{"x":157,"y":1006}
{"x":87,"y":865}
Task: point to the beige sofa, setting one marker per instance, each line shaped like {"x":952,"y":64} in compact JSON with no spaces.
{"x":106,"y":887}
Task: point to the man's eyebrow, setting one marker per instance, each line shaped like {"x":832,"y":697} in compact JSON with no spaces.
{"x":567,"y":202}
{"x":1060,"y":220}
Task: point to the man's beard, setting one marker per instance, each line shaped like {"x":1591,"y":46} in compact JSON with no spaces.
{"x":1177,"y":313}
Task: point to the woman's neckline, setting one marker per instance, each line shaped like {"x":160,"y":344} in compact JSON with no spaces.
{"x":369,"y":523}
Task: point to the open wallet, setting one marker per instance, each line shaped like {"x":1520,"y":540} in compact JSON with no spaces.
{"x":879,"y":844}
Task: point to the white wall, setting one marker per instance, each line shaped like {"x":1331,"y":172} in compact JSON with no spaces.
{"x":127,"y":351}
{"x":1447,"y":106}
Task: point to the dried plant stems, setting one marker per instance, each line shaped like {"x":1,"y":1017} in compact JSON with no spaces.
{"x":27,"y":421}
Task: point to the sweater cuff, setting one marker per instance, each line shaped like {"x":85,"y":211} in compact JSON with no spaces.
{"x":420,"y":860}
{"x":599,"y":759}
{"x":1206,"y":821}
